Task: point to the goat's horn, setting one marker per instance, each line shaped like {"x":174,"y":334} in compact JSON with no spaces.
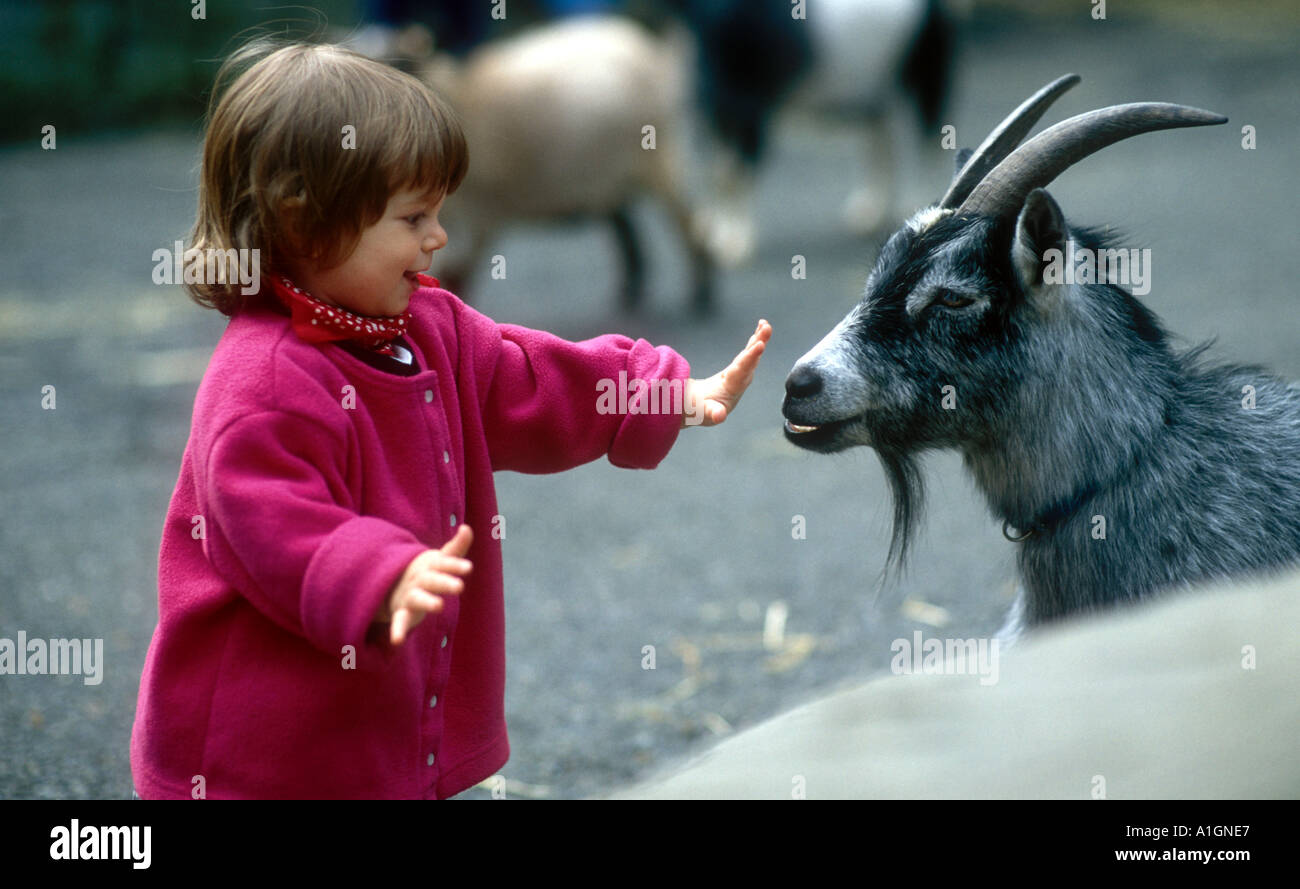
{"x":1040,"y":160}
{"x":1004,"y":138}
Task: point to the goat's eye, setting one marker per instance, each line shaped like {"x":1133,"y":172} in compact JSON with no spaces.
{"x":950,"y":300}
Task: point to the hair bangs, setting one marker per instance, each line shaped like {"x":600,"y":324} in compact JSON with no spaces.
{"x":424,"y":149}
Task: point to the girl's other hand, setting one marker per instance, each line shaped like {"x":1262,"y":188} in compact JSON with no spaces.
{"x":431,"y":575}
{"x":712,"y":399}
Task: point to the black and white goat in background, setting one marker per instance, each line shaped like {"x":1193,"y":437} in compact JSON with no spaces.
{"x":1067,"y":402}
{"x":870,"y":61}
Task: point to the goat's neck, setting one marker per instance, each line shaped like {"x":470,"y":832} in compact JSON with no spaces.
{"x":1088,"y":406}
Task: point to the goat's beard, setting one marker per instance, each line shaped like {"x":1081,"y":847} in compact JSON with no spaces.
{"x":907,"y":490}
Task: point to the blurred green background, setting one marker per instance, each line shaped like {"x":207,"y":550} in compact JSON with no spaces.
{"x":89,"y":65}
{"x":94,"y":65}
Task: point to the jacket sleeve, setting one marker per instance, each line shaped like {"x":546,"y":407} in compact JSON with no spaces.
{"x":549,"y":404}
{"x":282,"y":530}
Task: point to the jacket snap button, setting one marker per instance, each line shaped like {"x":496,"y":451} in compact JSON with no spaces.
{"x":428,"y":395}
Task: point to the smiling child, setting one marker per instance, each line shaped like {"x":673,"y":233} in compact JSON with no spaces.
{"x":331,"y":605}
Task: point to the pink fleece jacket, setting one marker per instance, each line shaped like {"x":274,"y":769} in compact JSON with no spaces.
{"x":309,"y":482}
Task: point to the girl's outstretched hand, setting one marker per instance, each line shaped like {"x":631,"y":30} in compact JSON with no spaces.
{"x":432,"y":574}
{"x":709,"y":401}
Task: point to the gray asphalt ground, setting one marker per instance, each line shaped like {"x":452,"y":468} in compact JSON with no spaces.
{"x":692,"y":558}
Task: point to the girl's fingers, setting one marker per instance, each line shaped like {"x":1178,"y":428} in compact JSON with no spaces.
{"x":437,"y":582}
{"x":746,"y":361}
{"x":741,"y":373}
{"x":421,"y":602}
{"x":751,"y":353}
{"x":401,"y":620}
{"x":452,"y":565}
{"x":719,"y":393}
{"x":459,"y":545}
{"x":417,"y":604}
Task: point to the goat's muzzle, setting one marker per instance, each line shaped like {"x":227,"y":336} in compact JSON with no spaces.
{"x":803,"y":426}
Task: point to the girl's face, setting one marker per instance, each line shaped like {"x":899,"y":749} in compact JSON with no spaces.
{"x":378,"y":277}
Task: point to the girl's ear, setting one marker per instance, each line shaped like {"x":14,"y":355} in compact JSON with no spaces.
{"x":292,"y":224}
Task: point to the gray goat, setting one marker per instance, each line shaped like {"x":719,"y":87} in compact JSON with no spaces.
{"x":1119,"y":466}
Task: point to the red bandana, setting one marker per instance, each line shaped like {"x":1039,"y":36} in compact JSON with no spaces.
{"x":318,"y":322}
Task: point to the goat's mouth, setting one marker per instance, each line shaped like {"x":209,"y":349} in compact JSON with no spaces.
{"x":823,"y":437}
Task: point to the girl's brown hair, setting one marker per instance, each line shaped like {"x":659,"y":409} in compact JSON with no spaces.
{"x":278,"y":171}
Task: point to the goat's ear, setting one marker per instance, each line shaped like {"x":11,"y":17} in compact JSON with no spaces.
{"x":1039,"y":228}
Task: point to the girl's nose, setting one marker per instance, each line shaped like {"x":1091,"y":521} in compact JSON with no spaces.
{"x":436,"y":239}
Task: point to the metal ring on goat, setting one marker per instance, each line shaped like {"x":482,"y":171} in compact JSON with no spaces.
{"x":1006,"y":532}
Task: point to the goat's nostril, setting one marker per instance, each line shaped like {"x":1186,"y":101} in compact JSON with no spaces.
{"x":803,"y":382}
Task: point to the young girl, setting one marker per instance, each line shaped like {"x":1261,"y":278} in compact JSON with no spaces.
{"x":329,"y":624}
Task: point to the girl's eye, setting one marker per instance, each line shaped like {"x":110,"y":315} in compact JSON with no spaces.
{"x":415,"y":220}
{"x":950,"y":300}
